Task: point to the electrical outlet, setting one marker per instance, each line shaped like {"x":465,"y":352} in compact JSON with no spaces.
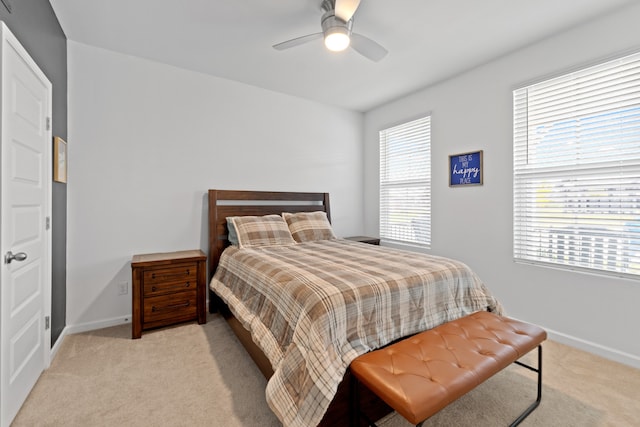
{"x":123,"y":288}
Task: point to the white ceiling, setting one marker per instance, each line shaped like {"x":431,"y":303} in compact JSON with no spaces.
{"x":428,"y":40}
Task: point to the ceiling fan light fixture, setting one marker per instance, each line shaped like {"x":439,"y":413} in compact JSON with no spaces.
{"x":337,"y":25}
{"x":337,"y":39}
{"x":337,"y":33}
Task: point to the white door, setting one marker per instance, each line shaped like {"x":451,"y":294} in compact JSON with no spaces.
{"x":24,"y":208}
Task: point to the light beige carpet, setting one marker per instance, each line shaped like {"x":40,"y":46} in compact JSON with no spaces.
{"x":199,"y":375}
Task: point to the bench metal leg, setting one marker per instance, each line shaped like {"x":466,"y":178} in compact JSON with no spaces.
{"x":535,"y":404}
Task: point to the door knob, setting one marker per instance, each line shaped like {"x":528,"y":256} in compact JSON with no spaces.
{"x":10,"y":256}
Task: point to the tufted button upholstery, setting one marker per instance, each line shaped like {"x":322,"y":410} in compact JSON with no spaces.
{"x":420,"y":375}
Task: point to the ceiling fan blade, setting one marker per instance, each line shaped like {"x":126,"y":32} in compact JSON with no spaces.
{"x":367,"y":47}
{"x":344,"y":9}
{"x":297,"y":41}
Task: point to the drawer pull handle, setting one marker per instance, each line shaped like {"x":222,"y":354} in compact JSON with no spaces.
{"x":155,"y":288}
{"x":155,"y":309}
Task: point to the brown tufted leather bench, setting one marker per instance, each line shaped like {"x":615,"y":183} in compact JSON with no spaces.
{"x":420,"y":375}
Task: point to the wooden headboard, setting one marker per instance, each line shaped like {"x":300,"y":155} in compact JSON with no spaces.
{"x":224,"y":203}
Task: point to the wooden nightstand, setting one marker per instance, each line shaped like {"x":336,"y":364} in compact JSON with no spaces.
{"x":365,"y":239}
{"x":167,"y":288}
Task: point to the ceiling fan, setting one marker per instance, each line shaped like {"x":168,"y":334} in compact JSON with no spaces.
{"x":337,"y":24}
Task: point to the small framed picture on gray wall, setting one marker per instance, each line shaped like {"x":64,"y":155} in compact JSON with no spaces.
{"x":59,"y":160}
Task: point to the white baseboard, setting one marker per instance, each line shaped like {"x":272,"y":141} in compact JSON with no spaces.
{"x":588,"y":346}
{"x":99,"y":324}
{"x":597,"y":349}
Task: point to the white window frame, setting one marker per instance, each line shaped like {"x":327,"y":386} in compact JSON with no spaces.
{"x":405,"y":183}
{"x":577,"y":170}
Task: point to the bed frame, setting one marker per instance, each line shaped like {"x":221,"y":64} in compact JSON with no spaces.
{"x":224,"y":203}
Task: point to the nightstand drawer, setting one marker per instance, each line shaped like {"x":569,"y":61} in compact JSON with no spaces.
{"x":168,"y":280}
{"x":175,"y":274}
{"x":180,"y":305}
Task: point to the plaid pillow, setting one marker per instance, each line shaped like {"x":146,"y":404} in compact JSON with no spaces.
{"x":268,"y":230}
{"x":309,"y":226}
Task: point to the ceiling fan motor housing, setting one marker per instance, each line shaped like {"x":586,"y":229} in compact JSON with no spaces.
{"x":331,"y":24}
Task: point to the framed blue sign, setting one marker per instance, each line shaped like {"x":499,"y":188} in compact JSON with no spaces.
{"x":465,"y":169}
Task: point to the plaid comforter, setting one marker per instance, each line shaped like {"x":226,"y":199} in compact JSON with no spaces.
{"x":314,"y":307}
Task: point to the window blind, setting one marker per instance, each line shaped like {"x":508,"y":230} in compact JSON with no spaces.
{"x":577,"y":169}
{"x":405,"y":183}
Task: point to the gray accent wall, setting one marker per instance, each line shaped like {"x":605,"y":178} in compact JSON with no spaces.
{"x":36,"y":26}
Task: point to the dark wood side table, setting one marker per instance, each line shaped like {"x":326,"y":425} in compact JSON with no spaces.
{"x":365,"y":239}
{"x":168,"y":288}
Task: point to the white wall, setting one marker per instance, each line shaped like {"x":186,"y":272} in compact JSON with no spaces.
{"x":147,"y":140}
{"x":472,"y":112}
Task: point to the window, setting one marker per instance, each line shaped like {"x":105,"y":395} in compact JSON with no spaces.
{"x":577,"y":169}
{"x":405,"y":183}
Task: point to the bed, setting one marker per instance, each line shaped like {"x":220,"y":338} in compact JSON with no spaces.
{"x":304,"y":307}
